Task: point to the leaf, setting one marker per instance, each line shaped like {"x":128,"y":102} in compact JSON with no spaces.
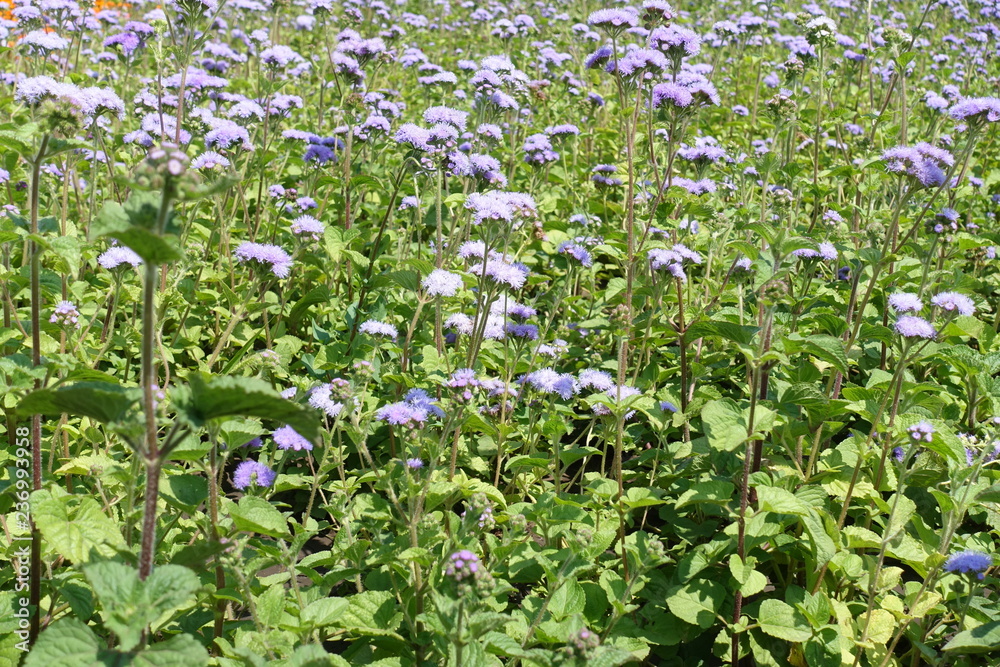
{"x":373,"y":613}
{"x":73,"y":525}
{"x":271,"y":606}
{"x":827,"y":348}
{"x":102,"y":401}
{"x":723,"y":424}
{"x":130,"y":606}
{"x":982,"y":639}
{"x":66,"y":643}
{"x":750,"y":580}
{"x":697,"y":601}
{"x":178,"y":651}
{"x":567,"y":600}
{"x":737,"y":333}
{"x":186,"y":492}
{"x":324,"y":612}
{"x":780,"y":501}
{"x":256,"y":515}
{"x":210,"y":397}
{"x":716,"y":492}
{"x":783,"y":621}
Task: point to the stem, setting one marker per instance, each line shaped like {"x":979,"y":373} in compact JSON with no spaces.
{"x":35,"y":583}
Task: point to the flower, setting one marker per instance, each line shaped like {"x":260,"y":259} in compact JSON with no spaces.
{"x":306,"y":225}
{"x":462,"y":565}
{"x":442,"y":283}
{"x":954,"y":301}
{"x":904,"y":302}
{"x":265,"y":253}
{"x":66,"y":314}
{"x":969,"y":562}
{"x":253,"y":473}
{"x":377,"y":328}
{"x":910,"y":326}
{"x":922,"y":431}
{"x":287,"y":437}
{"x":115,"y":256}
{"x":414,"y":464}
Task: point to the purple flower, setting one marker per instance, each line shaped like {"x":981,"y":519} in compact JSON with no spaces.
{"x":66,"y":314}
{"x":250,"y":473}
{"x":306,"y":225}
{"x":576,"y":251}
{"x":675,"y":95}
{"x":977,"y":110}
{"x":287,"y":437}
{"x":904,"y":302}
{"x":599,"y":380}
{"x":898,"y":453}
{"x":921,"y":431}
{"x":910,"y":326}
{"x":676,"y":42}
{"x":954,"y":301}
{"x":922,"y":162}
{"x":377,"y":328}
{"x":447,"y":115}
{"x":117,"y":255}
{"x":442,"y":283}
{"x":614,"y":20}
{"x":322,"y":398}
{"x":414,"y":464}
{"x":969,"y":562}
{"x":462,"y":566}
{"x":264,"y":253}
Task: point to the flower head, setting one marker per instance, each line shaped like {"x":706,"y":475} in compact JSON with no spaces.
{"x":250,"y":473}
{"x":287,"y":437}
{"x":969,"y":562}
{"x":954,"y":301}
{"x":910,"y":326}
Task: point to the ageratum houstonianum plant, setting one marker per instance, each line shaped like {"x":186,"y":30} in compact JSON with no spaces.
{"x":468,"y":334}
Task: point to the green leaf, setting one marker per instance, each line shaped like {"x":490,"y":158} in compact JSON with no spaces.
{"x":256,"y":515}
{"x":271,"y":606}
{"x":210,"y":397}
{"x":323,"y":612}
{"x":697,"y":601}
{"x":186,"y":492}
{"x":73,"y":525}
{"x":780,"y":501}
{"x":723,"y":424}
{"x":130,"y":606}
{"x":737,"y":333}
{"x":373,"y":613}
{"x":750,"y":580}
{"x":716,"y":492}
{"x":101,"y":401}
{"x":178,"y":651}
{"x":66,"y":643}
{"x":783,"y":621}
{"x":982,"y":639}
{"x":567,"y":600}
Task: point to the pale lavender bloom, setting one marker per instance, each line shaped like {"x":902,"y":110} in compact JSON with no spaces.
{"x":377,"y":328}
{"x":66,"y":314}
{"x":250,"y":473}
{"x":209,"y":160}
{"x":922,"y":431}
{"x":502,"y":272}
{"x":115,"y":256}
{"x":614,"y":20}
{"x":460,"y":322}
{"x":984,"y":109}
{"x":625,"y":392}
{"x":910,"y":326}
{"x":287,"y":437}
{"x":442,"y":283}
{"x":904,"y":302}
{"x":549,"y":381}
{"x":435,"y":115}
{"x":280,"y":56}
{"x":414,"y":136}
{"x":675,"y":41}
{"x":676,"y":95}
{"x":414,"y":464}
{"x":954,"y":301}
{"x":43,"y":42}
{"x":969,"y":562}
{"x":264,"y":253}
{"x":306,"y":225}
{"x":321,"y":398}
{"x":599,"y":380}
